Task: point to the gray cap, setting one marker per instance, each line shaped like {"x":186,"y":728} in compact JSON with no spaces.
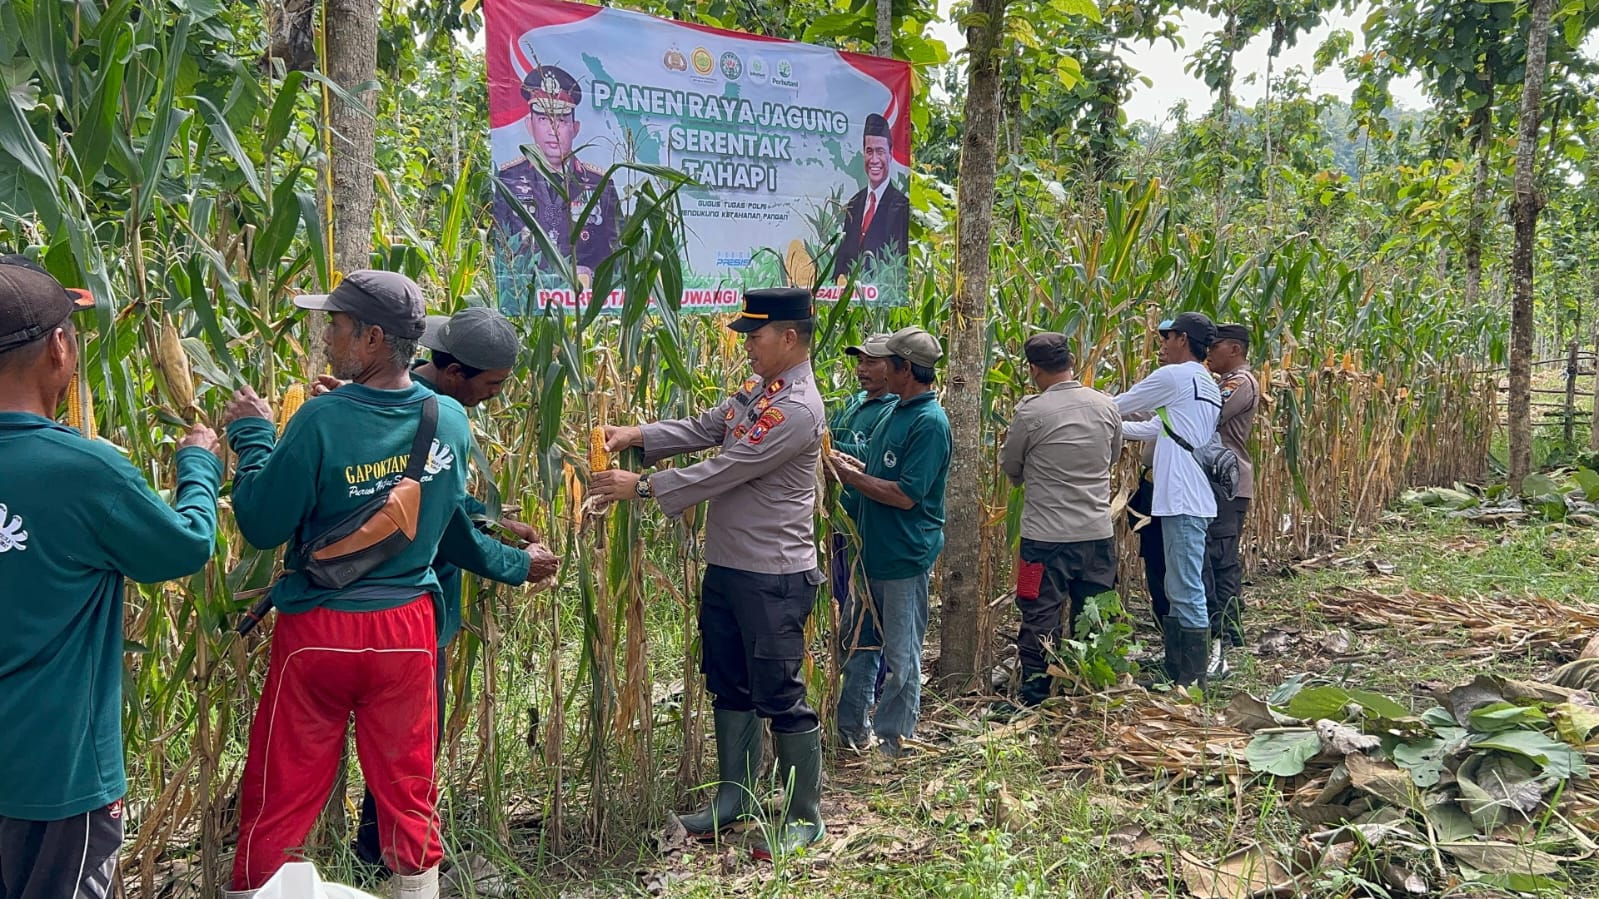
{"x":911,"y":344}
{"x":875,"y":346}
{"x":476,"y":336}
{"x":389,"y":300}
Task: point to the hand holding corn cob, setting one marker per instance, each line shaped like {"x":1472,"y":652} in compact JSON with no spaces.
{"x":246,"y":403}
{"x":202,"y":437}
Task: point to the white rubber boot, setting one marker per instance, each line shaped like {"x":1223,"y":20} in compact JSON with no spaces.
{"x":238,"y":894}
{"x":417,"y":886}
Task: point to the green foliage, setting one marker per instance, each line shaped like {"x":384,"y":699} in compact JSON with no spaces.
{"x":1096,"y":652}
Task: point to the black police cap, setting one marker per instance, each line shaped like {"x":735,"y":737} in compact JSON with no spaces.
{"x":772,"y":304}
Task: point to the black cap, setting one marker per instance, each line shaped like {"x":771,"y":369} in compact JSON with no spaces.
{"x":1197,"y":326}
{"x":549,"y":90}
{"x":1233,"y":332}
{"x":1049,"y":351}
{"x":32,"y":302}
{"x":389,"y":300}
{"x":772,"y":304}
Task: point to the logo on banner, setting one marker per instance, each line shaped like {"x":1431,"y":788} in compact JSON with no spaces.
{"x":703,"y":62}
{"x":732,"y":66}
{"x":758,"y":71}
{"x":674,"y":61}
{"x":785,"y":74}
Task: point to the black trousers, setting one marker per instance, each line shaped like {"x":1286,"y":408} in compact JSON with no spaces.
{"x":1072,"y":572}
{"x":1150,"y":547}
{"x":1224,"y":573}
{"x":72,"y":858}
{"x":752,"y":643}
{"x":367,"y":847}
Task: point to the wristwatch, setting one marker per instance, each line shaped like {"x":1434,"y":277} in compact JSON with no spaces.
{"x":642,"y":488}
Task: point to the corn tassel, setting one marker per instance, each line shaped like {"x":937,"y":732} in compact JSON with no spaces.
{"x":293,"y":399}
{"x":599,"y":459}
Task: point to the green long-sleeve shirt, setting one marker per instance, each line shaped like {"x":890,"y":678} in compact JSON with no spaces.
{"x":339,"y":451}
{"x":505,"y":564}
{"x":851,"y":429}
{"x":76,"y":520}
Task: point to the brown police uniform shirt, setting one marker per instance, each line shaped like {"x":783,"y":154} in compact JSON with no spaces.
{"x":1240,"y":395}
{"x":762,"y":485}
{"x":1060,"y":447}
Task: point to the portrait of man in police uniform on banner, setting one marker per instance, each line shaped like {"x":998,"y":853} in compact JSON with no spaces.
{"x":553,"y":97}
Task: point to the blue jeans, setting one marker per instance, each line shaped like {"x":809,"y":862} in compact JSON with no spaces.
{"x":901,"y":610}
{"x":1183,"y":538}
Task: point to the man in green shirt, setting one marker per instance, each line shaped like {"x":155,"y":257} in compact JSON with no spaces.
{"x":901,"y":482}
{"x":76,"y":521}
{"x":367,"y":648}
{"x":850,"y":428}
{"x":473,"y":352}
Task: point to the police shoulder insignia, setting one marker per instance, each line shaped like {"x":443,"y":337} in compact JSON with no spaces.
{"x":749,"y":384}
{"x":775,"y":386}
{"x":770,"y":419}
{"x":728,"y":415}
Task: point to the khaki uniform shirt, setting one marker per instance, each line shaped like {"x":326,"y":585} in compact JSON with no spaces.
{"x":1240,"y":395}
{"x":762,"y":485}
{"x":1060,"y":448}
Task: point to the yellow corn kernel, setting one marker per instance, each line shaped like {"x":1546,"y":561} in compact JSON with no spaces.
{"x":599,"y":459}
{"x":293,"y":399}
{"x":80,"y":408}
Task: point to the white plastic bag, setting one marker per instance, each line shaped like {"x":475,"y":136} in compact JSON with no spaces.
{"x":299,"y":880}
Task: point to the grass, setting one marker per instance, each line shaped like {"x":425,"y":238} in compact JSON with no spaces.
{"x":1062,"y":804}
{"x":1057,"y":807}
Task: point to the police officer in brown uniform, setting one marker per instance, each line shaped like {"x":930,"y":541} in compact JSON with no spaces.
{"x":761,"y":571}
{"x":552,"y":100}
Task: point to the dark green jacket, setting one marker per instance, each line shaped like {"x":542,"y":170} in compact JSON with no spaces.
{"x":911,"y":447}
{"x":76,"y":520}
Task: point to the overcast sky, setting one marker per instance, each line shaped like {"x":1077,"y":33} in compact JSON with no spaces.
{"x":1164,"y":67}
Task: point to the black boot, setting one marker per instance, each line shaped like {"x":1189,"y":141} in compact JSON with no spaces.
{"x":1192,"y":656}
{"x":738,"y":748}
{"x":799,"y":766}
{"x":1034,"y":688}
{"x":1170,"y":630}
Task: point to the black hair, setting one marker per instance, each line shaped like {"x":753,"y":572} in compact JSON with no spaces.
{"x":442,"y":360}
{"x":19,"y":357}
{"x":1200,"y":350}
{"x":876,"y":126}
{"x":922,"y":373}
{"x":804,"y":327}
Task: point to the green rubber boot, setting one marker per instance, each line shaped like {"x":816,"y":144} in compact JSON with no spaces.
{"x":799,"y":764}
{"x":738,"y":749}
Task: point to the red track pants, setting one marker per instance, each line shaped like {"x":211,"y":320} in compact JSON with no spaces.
{"x":326,"y":665}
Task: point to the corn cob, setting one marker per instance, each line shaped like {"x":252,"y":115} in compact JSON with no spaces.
{"x":827,"y":442}
{"x":293,"y":399}
{"x":599,"y":459}
{"x":173,"y":363}
{"x":80,"y":408}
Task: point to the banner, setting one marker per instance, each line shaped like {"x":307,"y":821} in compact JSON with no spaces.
{"x":800,"y":153}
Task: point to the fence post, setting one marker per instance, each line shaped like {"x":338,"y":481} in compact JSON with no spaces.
{"x":1571,"y":395}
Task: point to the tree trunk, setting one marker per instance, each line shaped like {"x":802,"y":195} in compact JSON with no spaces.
{"x":1525,"y":210}
{"x":352,"y":59}
{"x":959,"y":637}
{"x":1482,"y":125}
{"x":885,"y":28}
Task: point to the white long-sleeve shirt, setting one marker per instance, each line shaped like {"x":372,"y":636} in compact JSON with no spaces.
{"x":1193,"y":403}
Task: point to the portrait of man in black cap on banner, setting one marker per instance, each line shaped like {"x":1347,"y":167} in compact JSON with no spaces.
{"x":552,"y":98}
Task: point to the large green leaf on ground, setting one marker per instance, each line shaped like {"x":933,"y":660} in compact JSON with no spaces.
{"x":1283,"y":753}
